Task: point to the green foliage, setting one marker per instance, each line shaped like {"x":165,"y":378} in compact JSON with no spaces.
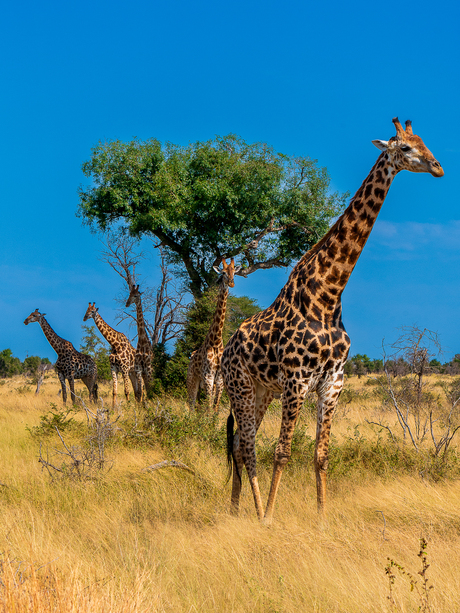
{"x":239,"y":308}
{"x":422,"y":591}
{"x":210,"y":199}
{"x":9,"y":365}
{"x":31,"y":364}
{"x":99,"y":350}
{"x":174,"y":430}
{"x":361,"y":364}
{"x":55,"y":418}
{"x":198,"y":320}
{"x":171,"y":371}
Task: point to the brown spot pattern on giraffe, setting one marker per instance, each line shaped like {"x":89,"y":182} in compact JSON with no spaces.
{"x":299,"y":343}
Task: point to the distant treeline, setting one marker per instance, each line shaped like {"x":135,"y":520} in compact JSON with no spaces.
{"x":10,"y":366}
{"x":361,"y":364}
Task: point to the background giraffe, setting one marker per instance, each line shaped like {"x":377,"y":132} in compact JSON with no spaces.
{"x":71,"y":364}
{"x":143,"y":355}
{"x":122,"y":356}
{"x":204,"y":367}
{"x":299,"y":343}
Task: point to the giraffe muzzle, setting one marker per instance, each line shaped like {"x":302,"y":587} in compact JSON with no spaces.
{"x":436,"y":169}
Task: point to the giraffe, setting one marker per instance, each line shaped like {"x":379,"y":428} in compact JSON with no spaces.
{"x":299,"y":343}
{"x":122,"y":356}
{"x":143,"y":355}
{"x":204,"y":367}
{"x":71,"y":364}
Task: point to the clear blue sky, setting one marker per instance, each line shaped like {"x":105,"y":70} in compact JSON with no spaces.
{"x":316,"y":79}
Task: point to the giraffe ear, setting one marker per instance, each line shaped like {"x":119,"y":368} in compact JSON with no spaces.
{"x":381,"y":144}
{"x":237,"y":269}
{"x":216,"y":269}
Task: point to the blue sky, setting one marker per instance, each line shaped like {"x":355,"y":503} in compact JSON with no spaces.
{"x":316,"y":79}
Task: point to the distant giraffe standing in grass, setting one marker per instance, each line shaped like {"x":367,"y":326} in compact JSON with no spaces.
{"x":143,"y":356}
{"x":204,"y":367}
{"x":122,"y":356}
{"x":71,"y":364}
{"x":299,"y":344}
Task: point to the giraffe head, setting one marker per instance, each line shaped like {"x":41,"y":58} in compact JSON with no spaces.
{"x":408,"y":151}
{"x":34,"y":316}
{"x":90,"y":311}
{"x":228,"y":272}
{"x":134,"y":295}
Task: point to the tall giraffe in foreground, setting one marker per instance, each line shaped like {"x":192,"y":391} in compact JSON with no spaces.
{"x":299,"y":343}
{"x":122,"y":356}
{"x":204,"y":367}
{"x":71,"y":364}
{"x":143,"y":355}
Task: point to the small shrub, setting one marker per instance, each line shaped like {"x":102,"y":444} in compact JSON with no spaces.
{"x":174,"y":430}
{"x":22,"y":389}
{"x":423,"y":591}
{"x":62,"y":419}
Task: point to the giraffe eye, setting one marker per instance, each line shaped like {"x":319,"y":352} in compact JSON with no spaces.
{"x":405,"y":148}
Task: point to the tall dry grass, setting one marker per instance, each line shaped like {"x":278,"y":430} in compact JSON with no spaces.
{"x":134,"y":541}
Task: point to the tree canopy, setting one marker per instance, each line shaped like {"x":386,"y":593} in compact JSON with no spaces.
{"x":209,"y":200}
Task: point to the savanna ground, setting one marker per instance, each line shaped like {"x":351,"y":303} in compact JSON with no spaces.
{"x":122,"y":539}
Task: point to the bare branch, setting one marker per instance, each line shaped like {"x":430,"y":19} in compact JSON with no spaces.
{"x":169,"y":463}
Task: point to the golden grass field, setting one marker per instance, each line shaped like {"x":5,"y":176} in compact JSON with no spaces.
{"x":141,"y":542}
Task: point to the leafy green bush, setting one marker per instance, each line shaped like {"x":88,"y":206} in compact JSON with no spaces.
{"x":174,"y":430}
{"x":62,"y":419}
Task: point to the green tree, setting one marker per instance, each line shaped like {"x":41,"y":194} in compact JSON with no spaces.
{"x":9,"y":365}
{"x":99,"y":350}
{"x":214,"y":199}
{"x":32,"y":363}
{"x":171,"y":371}
{"x":239,"y":308}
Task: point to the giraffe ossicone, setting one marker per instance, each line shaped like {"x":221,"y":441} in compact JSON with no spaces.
{"x":299,"y":344}
{"x":71,"y":364}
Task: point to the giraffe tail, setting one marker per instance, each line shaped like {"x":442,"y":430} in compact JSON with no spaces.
{"x":230,"y":439}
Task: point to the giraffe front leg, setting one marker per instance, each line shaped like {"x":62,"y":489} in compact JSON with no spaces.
{"x":218,"y":388}
{"x":72,"y":389}
{"x":136,"y":382}
{"x":328,"y":395}
{"x":113,"y":369}
{"x":209,"y":388}
{"x":63,"y":387}
{"x":147,"y":374}
{"x":125,"y":376}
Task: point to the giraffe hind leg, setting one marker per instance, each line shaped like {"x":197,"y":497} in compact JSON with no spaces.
{"x":249,"y":413}
{"x":328,"y":396}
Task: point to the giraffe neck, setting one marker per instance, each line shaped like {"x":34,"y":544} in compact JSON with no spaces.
{"x":214,"y":336}
{"x":107,"y":332}
{"x":324,"y":271}
{"x":141,"y":332}
{"x":56,"y":342}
